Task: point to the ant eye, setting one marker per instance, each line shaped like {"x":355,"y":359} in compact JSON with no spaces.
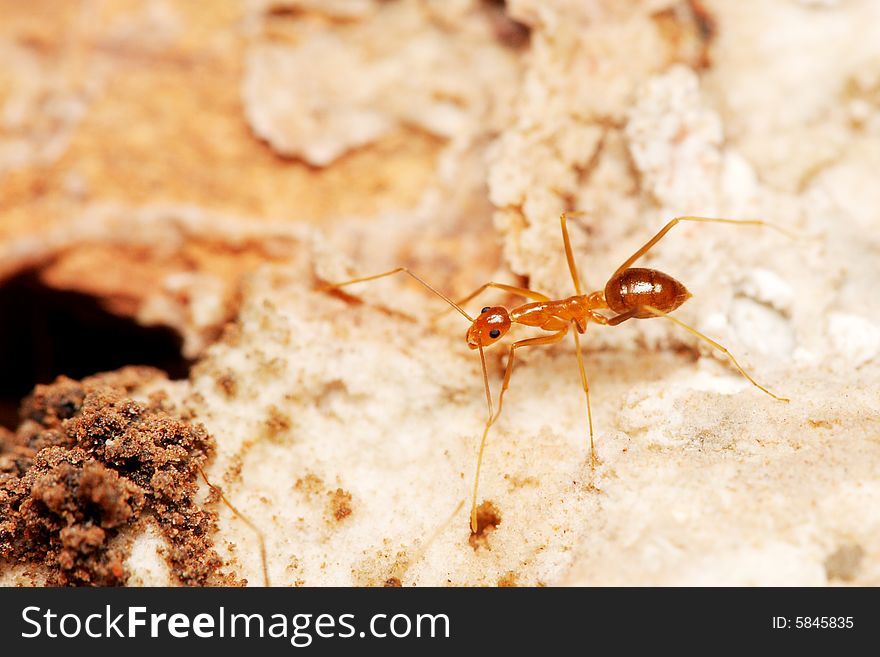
{"x":484,"y":310}
{"x":494,"y":333}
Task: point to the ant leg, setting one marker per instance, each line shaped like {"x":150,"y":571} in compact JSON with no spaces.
{"x":572,"y":267}
{"x":422,"y":547}
{"x":245,"y":520}
{"x":622,"y":317}
{"x":398,"y":270}
{"x":706,"y":220}
{"x":493,"y":415}
{"x":489,"y":420}
{"x":529,"y":342}
{"x":586,"y":385}
{"x":717,"y":346}
{"x":518,"y":291}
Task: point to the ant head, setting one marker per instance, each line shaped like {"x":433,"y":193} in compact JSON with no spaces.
{"x":490,"y":326}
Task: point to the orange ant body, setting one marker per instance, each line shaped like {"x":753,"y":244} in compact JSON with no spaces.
{"x":631,"y":293}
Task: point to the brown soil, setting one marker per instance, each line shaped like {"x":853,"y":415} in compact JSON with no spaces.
{"x":340,"y":504}
{"x":488,"y":518}
{"x":87,"y":461}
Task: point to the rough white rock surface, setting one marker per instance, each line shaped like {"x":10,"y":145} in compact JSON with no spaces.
{"x":348,"y":432}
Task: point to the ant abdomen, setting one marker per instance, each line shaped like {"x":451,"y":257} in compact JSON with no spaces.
{"x":638,"y":287}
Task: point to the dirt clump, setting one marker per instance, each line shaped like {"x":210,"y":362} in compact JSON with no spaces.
{"x":340,"y":504}
{"x":86,"y":462}
{"x":488,"y":519}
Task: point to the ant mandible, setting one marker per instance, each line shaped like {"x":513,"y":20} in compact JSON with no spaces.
{"x":631,"y":293}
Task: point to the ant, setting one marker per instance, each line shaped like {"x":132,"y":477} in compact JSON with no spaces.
{"x":630,"y":293}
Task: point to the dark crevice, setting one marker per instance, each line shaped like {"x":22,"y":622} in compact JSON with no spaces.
{"x":46,"y":332}
{"x":508,"y":31}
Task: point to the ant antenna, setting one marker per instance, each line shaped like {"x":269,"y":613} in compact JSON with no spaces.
{"x":424,"y":547}
{"x":246,"y":521}
{"x":398,"y":270}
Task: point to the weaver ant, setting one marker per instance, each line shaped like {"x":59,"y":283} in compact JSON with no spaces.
{"x":630,"y":293}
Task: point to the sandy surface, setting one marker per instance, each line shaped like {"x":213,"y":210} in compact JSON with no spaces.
{"x":203,"y":170}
